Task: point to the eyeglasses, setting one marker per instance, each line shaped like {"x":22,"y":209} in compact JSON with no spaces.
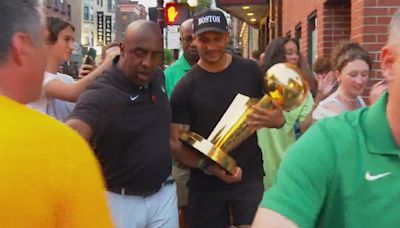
{"x":187,"y":39}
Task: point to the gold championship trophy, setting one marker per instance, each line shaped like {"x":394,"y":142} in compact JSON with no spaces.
{"x":284,"y":83}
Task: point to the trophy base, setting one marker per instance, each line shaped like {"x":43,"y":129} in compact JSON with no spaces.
{"x":210,"y":150}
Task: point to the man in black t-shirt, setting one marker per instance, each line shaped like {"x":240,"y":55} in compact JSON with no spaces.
{"x":126,"y":114}
{"x":198,"y":102}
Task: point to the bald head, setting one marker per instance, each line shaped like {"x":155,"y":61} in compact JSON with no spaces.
{"x":140,"y":28}
{"x":186,"y":36}
{"x":141,"y":51}
{"x":186,"y":27}
{"x":390,"y":60}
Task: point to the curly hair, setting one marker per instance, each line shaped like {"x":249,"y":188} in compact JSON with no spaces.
{"x":346,"y":52}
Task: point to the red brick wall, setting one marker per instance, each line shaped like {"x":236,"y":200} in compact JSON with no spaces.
{"x":295,"y":12}
{"x":369,"y":22}
{"x":333,"y":22}
{"x":364,"y":21}
{"x":333,"y":27}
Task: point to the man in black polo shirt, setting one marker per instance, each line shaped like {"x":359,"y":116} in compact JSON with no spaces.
{"x":198,"y":102}
{"x":126,"y":114}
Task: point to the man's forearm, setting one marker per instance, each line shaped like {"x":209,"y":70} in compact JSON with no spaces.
{"x":181,"y":153}
{"x":193,"y":159}
{"x":185,"y":155}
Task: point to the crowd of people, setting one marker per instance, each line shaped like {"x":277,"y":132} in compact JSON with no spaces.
{"x":105,"y":150}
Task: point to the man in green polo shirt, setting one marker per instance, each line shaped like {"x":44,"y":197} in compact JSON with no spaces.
{"x":345,"y":171}
{"x":173,"y":74}
{"x":190,"y":56}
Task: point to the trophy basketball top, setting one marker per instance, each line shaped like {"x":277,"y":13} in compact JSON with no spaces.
{"x":286,"y":85}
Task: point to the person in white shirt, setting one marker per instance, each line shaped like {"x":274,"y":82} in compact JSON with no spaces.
{"x":351,"y":65}
{"x":60,"y":43}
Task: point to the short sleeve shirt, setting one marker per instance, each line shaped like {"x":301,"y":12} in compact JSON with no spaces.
{"x":322,"y":112}
{"x":43,"y":101}
{"x":49,"y":174}
{"x":174,"y":73}
{"x":130,"y":125}
{"x":201,"y":98}
{"x":56,"y":108}
{"x":343,"y":172}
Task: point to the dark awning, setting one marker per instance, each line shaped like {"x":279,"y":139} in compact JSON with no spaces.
{"x":249,"y":11}
{"x":336,"y":1}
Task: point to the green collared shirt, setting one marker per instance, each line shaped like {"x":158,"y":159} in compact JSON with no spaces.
{"x":174,"y":73}
{"x":343,"y":172}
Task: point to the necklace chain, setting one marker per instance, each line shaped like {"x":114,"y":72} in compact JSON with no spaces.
{"x":346,"y":98}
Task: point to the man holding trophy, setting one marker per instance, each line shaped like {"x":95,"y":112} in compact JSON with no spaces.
{"x":220,"y":196}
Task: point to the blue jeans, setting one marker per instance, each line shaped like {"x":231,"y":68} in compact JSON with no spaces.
{"x":157,"y":210}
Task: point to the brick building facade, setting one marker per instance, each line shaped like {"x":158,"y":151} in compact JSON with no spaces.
{"x":127,"y":11}
{"x":320,"y":24}
{"x":58,"y":8}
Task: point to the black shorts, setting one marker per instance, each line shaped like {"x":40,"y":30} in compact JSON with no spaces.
{"x":220,"y":209}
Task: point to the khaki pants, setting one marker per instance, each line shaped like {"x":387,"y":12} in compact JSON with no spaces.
{"x":181,"y":177}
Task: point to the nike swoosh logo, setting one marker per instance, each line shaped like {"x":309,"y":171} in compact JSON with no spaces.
{"x":370,"y":177}
{"x":134,"y":97}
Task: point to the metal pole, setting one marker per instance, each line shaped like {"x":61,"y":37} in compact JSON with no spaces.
{"x":161,"y":22}
{"x":160,"y":14}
